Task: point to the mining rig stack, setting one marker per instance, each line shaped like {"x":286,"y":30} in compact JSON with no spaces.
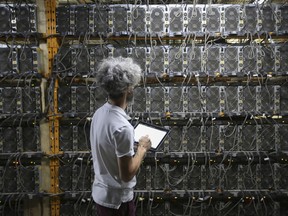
{"x":214,"y":74}
{"x":20,"y":108}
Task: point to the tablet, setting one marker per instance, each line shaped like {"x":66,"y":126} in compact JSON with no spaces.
{"x":155,"y":133}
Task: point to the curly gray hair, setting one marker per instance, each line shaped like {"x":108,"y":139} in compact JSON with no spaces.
{"x":115,"y":75}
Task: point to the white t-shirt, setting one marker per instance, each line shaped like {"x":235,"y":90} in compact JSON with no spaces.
{"x":111,"y":136}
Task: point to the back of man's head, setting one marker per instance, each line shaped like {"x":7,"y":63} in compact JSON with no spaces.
{"x":116,"y":75}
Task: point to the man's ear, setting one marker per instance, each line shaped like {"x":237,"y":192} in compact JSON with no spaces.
{"x":130,"y":90}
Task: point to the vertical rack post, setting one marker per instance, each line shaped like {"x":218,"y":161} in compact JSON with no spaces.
{"x":52,"y":45}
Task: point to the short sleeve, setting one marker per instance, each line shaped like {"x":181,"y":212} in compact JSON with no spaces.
{"x":124,"y":138}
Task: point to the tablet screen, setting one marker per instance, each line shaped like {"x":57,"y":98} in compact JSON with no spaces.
{"x":155,"y":133}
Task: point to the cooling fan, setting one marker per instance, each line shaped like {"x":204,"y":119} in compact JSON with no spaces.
{"x":213,"y":99}
{"x":101,"y":20}
{"x":250,"y":59}
{"x":64,"y":99}
{"x":230,"y":134}
{"x":65,"y":177}
{"x":157,"y":20}
{"x":231,"y":177}
{"x":231,"y":19}
{"x":139,"y":56}
{"x":267,"y":99}
{"x":10,"y":180}
{"x":83,"y":137}
{"x":193,"y":138}
{"x":157,"y":59}
{"x":284,"y":99}
{"x":9,"y":139}
{"x":213,"y":177}
{"x":231,"y":60}
{"x":250,"y":19}
{"x":284,"y":58}
{"x":231,"y":100}
{"x":284,"y":176}
{"x":158,"y":177}
{"x":176,"y":20}
{"x":248,"y":136}
{"x":30,"y":99}
{"x":5,"y":19}
{"x":194,"y":59}
{"x":175,"y":60}
{"x":157,"y":101}
{"x":5,"y":61}
{"x":23,"y":19}
{"x":98,"y":97}
{"x":119,"y":20}
{"x":175,"y":176}
{"x":283,"y":135}
{"x":268,"y":21}
{"x":25,"y":60}
{"x":267,"y":175}
{"x":64,"y":60}
{"x":30,"y":137}
{"x":176,"y":100}
{"x":81,"y":19}
{"x":138,"y":20}
{"x":284,"y":18}
{"x":249,"y":102}
{"x":268,"y":59}
{"x":194,"y":19}
{"x":213,"y":60}
{"x":82,"y":61}
{"x":194,"y":178}
{"x":267,"y":138}
{"x":213,"y":19}
{"x":139,"y":102}
{"x":10,"y":97}
{"x":66,"y":138}
{"x":67,"y":208}
{"x":83,"y":175}
{"x":63,"y":20}
{"x":249,"y":175}
{"x":194,"y":100}
{"x":175,"y":137}
{"x":28,"y":178}
{"x":82,"y":96}
{"x":212,"y":136}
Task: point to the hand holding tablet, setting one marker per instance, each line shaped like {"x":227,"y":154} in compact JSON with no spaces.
{"x":145,"y":142}
{"x":154,"y":132}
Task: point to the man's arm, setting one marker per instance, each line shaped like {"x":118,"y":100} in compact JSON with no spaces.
{"x":129,"y":165}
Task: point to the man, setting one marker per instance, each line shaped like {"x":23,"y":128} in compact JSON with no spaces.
{"x":112,"y":140}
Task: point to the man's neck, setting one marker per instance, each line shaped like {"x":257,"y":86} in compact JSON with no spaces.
{"x":120,"y":103}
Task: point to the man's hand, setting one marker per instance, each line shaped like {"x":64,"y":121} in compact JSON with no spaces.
{"x":145,"y":142}
{"x":128,"y":166}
